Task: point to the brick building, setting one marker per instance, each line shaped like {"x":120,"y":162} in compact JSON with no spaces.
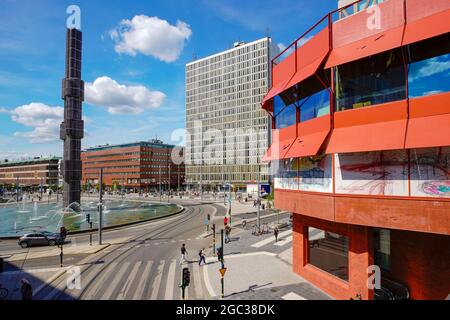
{"x":360,"y":110}
{"x":30,"y":173}
{"x":140,"y":166}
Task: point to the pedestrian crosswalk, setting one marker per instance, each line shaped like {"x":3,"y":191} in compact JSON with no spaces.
{"x":271,"y":239}
{"x":141,"y":280}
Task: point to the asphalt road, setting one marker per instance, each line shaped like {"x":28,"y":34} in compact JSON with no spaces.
{"x":144,"y":267}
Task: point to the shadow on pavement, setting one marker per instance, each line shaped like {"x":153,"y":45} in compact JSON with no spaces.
{"x":11,"y":280}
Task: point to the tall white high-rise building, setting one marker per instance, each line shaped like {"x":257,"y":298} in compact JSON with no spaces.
{"x":227,"y":131}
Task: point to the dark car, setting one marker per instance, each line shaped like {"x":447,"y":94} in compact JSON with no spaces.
{"x":39,"y":239}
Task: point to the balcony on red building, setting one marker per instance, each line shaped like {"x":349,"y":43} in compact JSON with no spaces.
{"x":360,"y":105}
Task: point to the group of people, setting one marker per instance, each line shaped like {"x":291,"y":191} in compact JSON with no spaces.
{"x":184,"y":253}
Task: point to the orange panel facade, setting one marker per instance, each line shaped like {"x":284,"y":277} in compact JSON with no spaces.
{"x":369,"y":183}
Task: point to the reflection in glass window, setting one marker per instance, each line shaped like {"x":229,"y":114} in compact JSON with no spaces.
{"x":373,"y":80}
{"x":314,"y":99}
{"x":285,"y":110}
{"x":329,"y":252}
{"x":429,"y":68}
{"x":382,"y":248}
{"x":315,"y":105}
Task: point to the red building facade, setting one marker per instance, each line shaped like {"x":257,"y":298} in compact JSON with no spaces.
{"x":361,"y":149}
{"x":139,"y":167}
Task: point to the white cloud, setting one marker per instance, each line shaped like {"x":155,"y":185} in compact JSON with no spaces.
{"x":120,"y":98}
{"x":151,"y":36}
{"x":431,"y":67}
{"x":281,"y":46}
{"x":45,"y":121}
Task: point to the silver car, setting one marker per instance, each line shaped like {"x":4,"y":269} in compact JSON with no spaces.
{"x":39,"y":239}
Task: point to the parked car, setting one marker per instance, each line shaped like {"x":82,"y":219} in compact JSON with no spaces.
{"x":40,"y":239}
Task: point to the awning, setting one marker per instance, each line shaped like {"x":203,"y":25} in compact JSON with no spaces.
{"x":306,"y":71}
{"x":428,"y":27}
{"x":278,"y":150}
{"x":371,"y":137}
{"x":312,"y":135}
{"x":374,"y":44}
{"x":429,"y":122}
{"x":274,"y":91}
{"x":382,"y":127}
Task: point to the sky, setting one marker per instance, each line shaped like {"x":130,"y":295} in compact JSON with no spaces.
{"x":134,"y":57}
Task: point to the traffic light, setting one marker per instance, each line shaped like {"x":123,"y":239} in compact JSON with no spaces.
{"x":219,"y":254}
{"x":88,"y":218}
{"x":186,"y":277}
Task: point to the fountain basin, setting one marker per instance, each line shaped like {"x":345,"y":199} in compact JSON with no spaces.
{"x":20,"y":219}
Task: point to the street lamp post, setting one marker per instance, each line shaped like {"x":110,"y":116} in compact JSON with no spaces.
{"x":258,"y":200}
{"x":100,"y":212}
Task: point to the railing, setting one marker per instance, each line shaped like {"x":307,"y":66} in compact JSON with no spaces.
{"x":329,"y":17}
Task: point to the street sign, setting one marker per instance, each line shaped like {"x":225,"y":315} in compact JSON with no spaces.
{"x":222,"y":271}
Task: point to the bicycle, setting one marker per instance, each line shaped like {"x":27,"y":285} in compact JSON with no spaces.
{"x":3,"y":293}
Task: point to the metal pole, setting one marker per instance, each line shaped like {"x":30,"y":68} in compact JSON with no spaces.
{"x":17,"y":189}
{"x":61,"y":255}
{"x":170,"y":180}
{"x":100,"y":213}
{"x":229,"y":201}
{"x":178,"y":171}
{"x":258,"y":200}
{"x":214,"y":239}
{"x":41,"y":188}
{"x":223,"y":266}
{"x":160,"y":186}
{"x":90,"y":234}
{"x":182,"y":285}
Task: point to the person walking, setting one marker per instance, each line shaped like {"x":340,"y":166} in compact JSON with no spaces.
{"x":184,"y":253}
{"x":275,"y":232}
{"x":227,"y":234}
{"x":201,"y":256}
{"x":26,"y":290}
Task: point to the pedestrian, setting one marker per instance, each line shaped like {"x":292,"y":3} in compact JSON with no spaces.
{"x":26,"y":290}
{"x":63,"y":233}
{"x":275,"y":232}
{"x":227,"y":234}
{"x":184,"y":253}
{"x":201,"y":256}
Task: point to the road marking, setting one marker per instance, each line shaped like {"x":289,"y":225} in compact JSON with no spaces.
{"x":170,"y":280}
{"x":147,"y":245}
{"x":207,"y":282}
{"x":138,"y":294}
{"x":197,"y":282}
{"x":157,"y":282}
{"x":138,"y":246}
{"x":156,"y":243}
{"x":100,"y":281}
{"x":115,"y":281}
{"x":292,"y":296}
{"x":126,"y":288}
{"x":284,"y":241}
{"x":271,"y":239}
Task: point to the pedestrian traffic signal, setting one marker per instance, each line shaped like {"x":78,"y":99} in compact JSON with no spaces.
{"x":186,"y":277}
{"x":88,"y":218}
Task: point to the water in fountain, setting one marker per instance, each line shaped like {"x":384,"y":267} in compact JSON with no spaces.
{"x":23,"y":207}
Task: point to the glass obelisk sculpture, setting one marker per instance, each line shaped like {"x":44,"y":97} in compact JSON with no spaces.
{"x":72,"y":128}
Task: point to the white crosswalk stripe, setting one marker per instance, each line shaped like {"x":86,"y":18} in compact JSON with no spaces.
{"x":115,"y":281}
{"x":271,"y":239}
{"x":127,"y":286}
{"x":138,"y":294}
{"x":170,"y":280}
{"x":93,"y":291}
{"x":157,"y":281}
{"x":197,"y":282}
{"x":284,"y":241}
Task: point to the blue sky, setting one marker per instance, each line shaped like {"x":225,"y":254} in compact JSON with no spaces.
{"x":136,"y":88}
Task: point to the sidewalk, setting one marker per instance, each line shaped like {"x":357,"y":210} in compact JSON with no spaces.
{"x":259,"y":268}
{"x":38,"y":278}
